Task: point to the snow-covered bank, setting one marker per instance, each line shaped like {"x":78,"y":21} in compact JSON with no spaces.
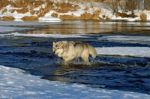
{"x":125,"y":51}
{"x":44,"y":35}
{"x":54,"y":11}
{"x":18,"y":85}
{"x":5,"y":29}
{"x":49,"y":19}
{"x":126,"y":38}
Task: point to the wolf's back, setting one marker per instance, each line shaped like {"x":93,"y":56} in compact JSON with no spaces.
{"x":92,"y":51}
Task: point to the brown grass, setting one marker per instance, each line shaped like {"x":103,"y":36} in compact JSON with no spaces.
{"x":22,"y":10}
{"x":68,"y":17}
{"x":7,"y":18}
{"x":24,"y":6}
{"x":30,"y":18}
{"x":47,"y":8}
{"x":96,"y":15}
{"x":3,"y":3}
{"x":20,"y":3}
{"x":143,"y":17}
{"x":54,"y":14}
{"x":89,"y":16}
{"x":29,"y":5}
{"x":65,"y":7}
{"x":124,"y":15}
{"x":84,"y":16}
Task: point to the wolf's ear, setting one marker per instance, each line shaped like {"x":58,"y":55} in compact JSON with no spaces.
{"x":64,"y":42}
{"x":53,"y":43}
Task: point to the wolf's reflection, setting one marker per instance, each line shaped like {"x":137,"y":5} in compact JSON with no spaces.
{"x":70,"y":50}
{"x":64,"y":72}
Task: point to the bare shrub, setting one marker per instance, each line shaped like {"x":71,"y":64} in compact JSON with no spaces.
{"x":7,"y":18}
{"x":30,"y":18}
{"x":143,"y":17}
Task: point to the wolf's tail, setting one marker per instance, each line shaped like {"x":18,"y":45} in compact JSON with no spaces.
{"x":92,"y":51}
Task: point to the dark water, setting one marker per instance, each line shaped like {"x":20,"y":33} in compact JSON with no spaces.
{"x":34,"y":55}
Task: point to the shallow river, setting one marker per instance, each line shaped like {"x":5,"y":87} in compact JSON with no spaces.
{"x":123,"y":60}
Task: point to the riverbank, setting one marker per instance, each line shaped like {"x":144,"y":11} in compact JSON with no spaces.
{"x":50,"y":11}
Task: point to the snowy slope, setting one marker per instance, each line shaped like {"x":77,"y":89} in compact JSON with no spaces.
{"x":5,"y":29}
{"x":123,"y":38}
{"x":83,"y":7}
{"x":124,"y":51}
{"x":45,"y":11}
{"x":15,"y":84}
{"x":45,"y":35}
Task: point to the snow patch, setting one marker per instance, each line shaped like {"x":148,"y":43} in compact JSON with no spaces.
{"x":10,"y":29}
{"x":121,"y":38}
{"x":125,"y":19}
{"x":44,"y":35}
{"x":48,"y":18}
{"x":15,"y":84}
{"x":125,"y":51}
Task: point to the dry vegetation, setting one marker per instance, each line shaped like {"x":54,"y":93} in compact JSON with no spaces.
{"x":7,"y":18}
{"x":84,"y":16}
{"x":143,"y":17}
{"x":24,"y":6}
{"x":46,"y":9}
{"x":54,"y":14}
{"x":64,"y":6}
{"x":124,"y":15}
{"x":3,"y":3}
{"x":22,"y":10}
{"x":44,"y":6}
{"x":68,"y":17}
{"x":89,"y":16}
{"x":30,"y":18}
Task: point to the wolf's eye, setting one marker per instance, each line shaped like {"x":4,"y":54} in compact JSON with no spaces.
{"x":56,"y":45}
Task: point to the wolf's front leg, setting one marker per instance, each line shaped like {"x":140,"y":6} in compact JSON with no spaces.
{"x":87,"y":62}
{"x":67,"y":60}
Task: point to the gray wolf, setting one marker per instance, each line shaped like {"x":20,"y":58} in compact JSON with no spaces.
{"x":69,"y":50}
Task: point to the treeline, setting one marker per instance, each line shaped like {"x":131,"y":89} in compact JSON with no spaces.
{"x":126,"y":5}
{"x":123,"y":5}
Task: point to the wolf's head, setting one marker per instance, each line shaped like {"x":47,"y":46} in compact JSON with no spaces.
{"x":58,"y":47}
